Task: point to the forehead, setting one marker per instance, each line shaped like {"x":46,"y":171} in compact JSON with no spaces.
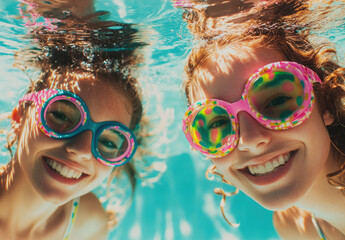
{"x":225,"y":76}
{"x":105,"y":101}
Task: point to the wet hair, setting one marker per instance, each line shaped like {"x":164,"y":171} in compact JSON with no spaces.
{"x":207,"y":19}
{"x":92,"y":50}
{"x":294,"y":44}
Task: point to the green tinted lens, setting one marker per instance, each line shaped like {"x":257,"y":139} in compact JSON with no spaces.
{"x":211,"y":127}
{"x":276,"y":95}
{"x":111,"y":143}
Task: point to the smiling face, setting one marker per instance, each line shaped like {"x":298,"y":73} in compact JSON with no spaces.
{"x":275,"y":168}
{"x":60,"y":170}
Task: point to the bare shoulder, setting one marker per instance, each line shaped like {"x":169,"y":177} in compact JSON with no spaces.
{"x":91,"y":219}
{"x":294,"y":223}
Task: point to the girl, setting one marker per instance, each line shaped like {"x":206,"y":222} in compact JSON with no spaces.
{"x":76,"y":125}
{"x":267,"y":107}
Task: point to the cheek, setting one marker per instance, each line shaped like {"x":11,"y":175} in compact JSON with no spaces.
{"x":106,"y":170}
{"x":315,"y":132}
{"x":223,"y":166}
{"x":103,"y":171}
{"x":319,"y":140}
{"x":29,"y":132}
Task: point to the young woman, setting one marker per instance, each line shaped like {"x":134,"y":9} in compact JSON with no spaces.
{"x":76,"y":125}
{"x":267,"y":107}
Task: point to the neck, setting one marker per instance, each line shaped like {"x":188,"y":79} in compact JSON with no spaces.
{"x":324,"y":200}
{"x":28,"y":211}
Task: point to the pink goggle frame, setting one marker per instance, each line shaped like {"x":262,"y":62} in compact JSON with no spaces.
{"x":212,"y":143}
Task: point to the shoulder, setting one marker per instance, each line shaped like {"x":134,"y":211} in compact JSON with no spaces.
{"x":294,"y":223}
{"x":91,"y":219}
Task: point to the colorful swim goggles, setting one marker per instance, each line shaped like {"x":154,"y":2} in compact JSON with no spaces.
{"x":62,"y":114}
{"x":279,"y":96}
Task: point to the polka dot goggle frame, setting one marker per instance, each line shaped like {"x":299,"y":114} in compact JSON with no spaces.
{"x":62,"y":114}
{"x":279,"y":96}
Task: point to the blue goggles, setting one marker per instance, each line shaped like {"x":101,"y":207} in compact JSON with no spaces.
{"x":62,"y":114}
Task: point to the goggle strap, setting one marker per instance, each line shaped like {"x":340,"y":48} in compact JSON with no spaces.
{"x":38,"y":97}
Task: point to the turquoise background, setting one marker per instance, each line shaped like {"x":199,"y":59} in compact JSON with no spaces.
{"x":181,"y":205}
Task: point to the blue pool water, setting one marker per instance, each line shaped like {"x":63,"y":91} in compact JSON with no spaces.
{"x":181,"y":205}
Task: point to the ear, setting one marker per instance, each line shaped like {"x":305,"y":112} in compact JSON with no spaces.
{"x":328,"y":118}
{"x":16,"y":117}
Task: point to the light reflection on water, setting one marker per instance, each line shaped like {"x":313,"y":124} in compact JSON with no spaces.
{"x":181,"y":205}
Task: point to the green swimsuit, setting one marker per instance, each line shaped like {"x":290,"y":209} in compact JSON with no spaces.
{"x":74,"y":211}
{"x":317,"y":227}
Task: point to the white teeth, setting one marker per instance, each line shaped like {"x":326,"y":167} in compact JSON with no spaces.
{"x":261,"y":169}
{"x":275,"y":163}
{"x":281,"y":160}
{"x":69,"y":174}
{"x":63,"y":170}
{"x":76,"y":175}
{"x":54,"y":163}
{"x":269,"y":166}
{"x":251,"y":170}
{"x":58,"y":167}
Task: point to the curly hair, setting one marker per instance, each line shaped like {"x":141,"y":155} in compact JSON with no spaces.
{"x":295,"y":45}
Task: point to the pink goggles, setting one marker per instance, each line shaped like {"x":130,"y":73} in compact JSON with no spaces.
{"x":279,"y":96}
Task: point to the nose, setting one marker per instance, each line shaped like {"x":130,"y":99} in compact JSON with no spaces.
{"x":79,"y":146}
{"x":253,"y":137}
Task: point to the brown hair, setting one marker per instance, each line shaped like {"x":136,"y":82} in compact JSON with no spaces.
{"x":207,"y":19}
{"x":295,"y":45}
{"x":93,"y":51}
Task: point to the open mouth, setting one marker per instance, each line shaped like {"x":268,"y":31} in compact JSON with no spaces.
{"x":271,"y":165}
{"x":62,"y":170}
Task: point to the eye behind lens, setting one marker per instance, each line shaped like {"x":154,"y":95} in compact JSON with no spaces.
{"x":276,"y":95}
{"x":210,"y":126}
{"x":112,"y":143}
{"x":62,"y":116}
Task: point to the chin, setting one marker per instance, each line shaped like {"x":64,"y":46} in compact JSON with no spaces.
{"x":54,"y":196}
{"x":276,"y":206}
{"x":276,"y":202}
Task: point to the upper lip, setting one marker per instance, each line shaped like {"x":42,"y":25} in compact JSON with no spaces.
{"x":261,"y":159}
{"x":71,"y":164}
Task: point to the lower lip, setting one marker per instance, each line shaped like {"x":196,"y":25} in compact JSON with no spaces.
{"x":271,"y":177}
{"x":60,"y":178}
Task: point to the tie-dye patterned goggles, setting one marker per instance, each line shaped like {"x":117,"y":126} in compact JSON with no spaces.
{"x":61,"y":114}
{"x":279,"y":96}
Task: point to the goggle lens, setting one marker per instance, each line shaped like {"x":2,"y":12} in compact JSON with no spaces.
{"x":62,"y":116}
{"x":111,"y":143}
{"x":279,"y":96}
{"x":276,"y":95}
{"x":211,"y":127}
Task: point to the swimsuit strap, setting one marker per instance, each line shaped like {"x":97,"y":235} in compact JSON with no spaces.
{"x":74,"y":211}
{"x":317,"y":227}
